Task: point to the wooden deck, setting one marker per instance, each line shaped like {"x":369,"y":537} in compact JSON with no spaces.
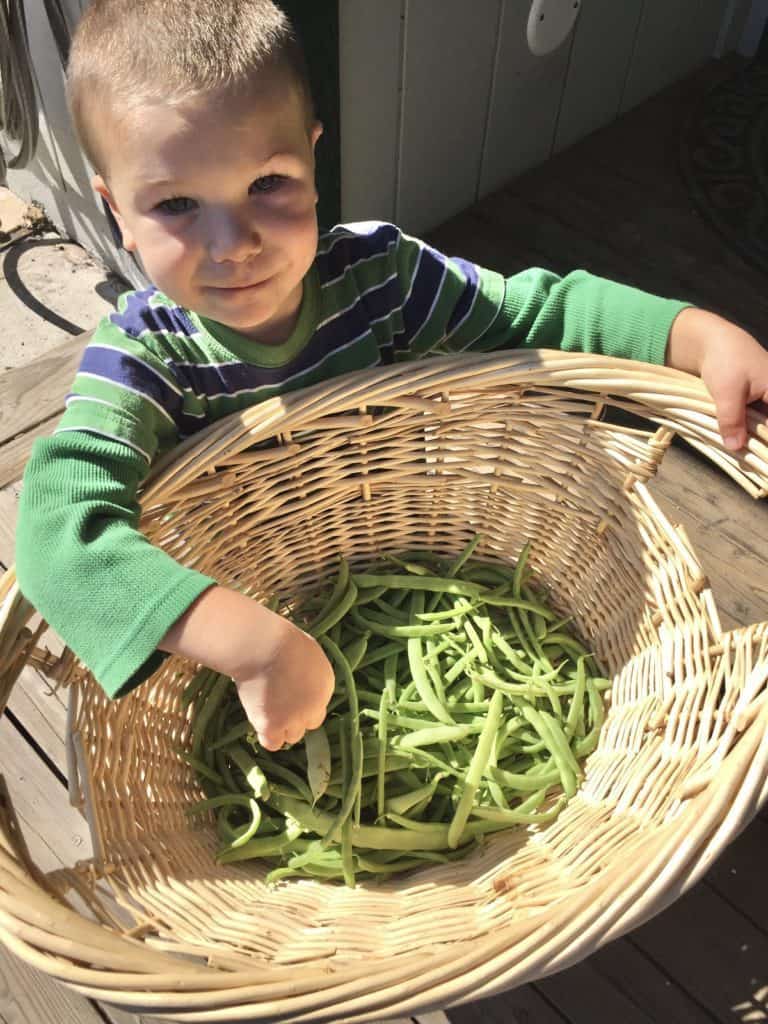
{"x":614,"y":204}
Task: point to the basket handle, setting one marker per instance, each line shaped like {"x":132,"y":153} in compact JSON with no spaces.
{"x":675,"y":400}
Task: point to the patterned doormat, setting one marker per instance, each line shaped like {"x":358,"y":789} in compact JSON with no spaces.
{"x":724,"y":158}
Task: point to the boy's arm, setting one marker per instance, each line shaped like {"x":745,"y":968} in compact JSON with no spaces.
{"x":119,"y":602}
{"x":81,"y":560}
{"x":453,"y":305}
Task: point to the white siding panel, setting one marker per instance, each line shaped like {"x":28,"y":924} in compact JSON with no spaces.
{"x":50,"y":77}
{"x":449,"y":54}
{"x":674,"y":37}
{"x":370,"y":61}
{"x":600,"y":56}
{"x":525,"y":102}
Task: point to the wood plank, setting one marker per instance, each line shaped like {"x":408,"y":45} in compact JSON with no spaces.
{"x":43,"y":715}
{"x":449,"y":59}
{"x":711,"y":951}
{"x":727,"y":529}
{"x":521,"y":84}
{"x":28,"y":996}
{"x":35,"y":392}
{"x":525,"y":1005}
{"x":56,"y":833}
{"x":14,"y":454}
{"x":42,"y":712}
{"x":646,"y":984}
{"x":370,"y":33}
{"x":584,"y":996}
{"x":596,"y":72}
{"x":9,"y":513}
{"x":738,"y":875}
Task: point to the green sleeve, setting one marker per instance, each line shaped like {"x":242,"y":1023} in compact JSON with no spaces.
{"x":581,"y":313}
{"x":453,"y":305}
{"x":82,"y":562}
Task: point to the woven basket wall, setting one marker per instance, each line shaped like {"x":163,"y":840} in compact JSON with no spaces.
{"x":514,"y":447}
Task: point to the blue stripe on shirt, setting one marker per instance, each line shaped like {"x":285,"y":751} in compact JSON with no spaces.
{"x":424,"y":288}
{"x":347,"y":249}
{"x":124,"y":369}
{"x":139,"y":316}
{"x":467,"y":297}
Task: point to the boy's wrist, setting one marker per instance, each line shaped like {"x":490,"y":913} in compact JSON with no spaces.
{"x":228,"y":632}
{"x":687,"y":342}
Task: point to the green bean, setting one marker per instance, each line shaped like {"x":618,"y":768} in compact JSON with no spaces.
{"x":254,"y":775}
{"x":517,"y":816}
{"x":334,"y":615}
{"x":476,"y":769}
{"x":406,"y":801}
{"x":318,"y":752}
{"x":237,"y":732}
{"x":415,"y":661}
{"x":203,"y":718}
{"x":356,"y":650}
{"x":339,"y":589}
{"x":525,"y":781}
{"x":575,"y":720}
{"x":351,"y":796}
{"x":438,"y":734}
{"x":266,"y":846}
{"x":380,"y":654}
{"x":394,"y":632}
{"x":520,"y":567}
{"x":467,"y":553}
{"x":197,"y":684}
{"x":433,"y":583}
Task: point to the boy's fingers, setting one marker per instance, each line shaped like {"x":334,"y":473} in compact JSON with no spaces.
{"x":731,"y":407}
{"x":315,"y":721}
{"x":294,"y":735}
{"x":271,"y":740}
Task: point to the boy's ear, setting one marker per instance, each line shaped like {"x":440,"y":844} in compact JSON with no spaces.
{"x":100,"y":186}
{"x":315,"y":132}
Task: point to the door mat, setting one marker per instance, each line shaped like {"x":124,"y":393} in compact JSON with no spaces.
{"x":724,"y":160}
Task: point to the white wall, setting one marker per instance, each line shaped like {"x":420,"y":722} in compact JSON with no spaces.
{"x":442,"y":101}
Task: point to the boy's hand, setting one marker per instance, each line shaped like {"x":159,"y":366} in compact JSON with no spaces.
{"x":286,"y":685}
{"x":282,"y":675}
{"x":732,"y":364}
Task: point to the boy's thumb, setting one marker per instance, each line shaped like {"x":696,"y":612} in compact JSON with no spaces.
{"x":731,"y":408}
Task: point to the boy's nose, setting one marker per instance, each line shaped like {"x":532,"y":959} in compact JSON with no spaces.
{"x":233,"y":239}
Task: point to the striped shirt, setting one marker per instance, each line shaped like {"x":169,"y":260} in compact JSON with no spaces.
{"x":155,"y":373}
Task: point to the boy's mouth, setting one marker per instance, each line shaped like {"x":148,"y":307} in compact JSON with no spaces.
{"x":239,"y":287}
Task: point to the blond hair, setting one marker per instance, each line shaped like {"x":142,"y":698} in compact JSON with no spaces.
{"x":126,"y":53}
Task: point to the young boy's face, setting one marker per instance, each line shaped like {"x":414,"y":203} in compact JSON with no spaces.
{"x":218,"y":198}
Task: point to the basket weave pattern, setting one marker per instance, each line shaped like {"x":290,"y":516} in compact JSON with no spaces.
{"x":512,"y":447}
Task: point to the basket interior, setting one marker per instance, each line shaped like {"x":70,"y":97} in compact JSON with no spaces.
{"x":271,"y":516}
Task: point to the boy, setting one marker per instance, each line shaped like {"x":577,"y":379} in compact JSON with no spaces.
{"x":199,"y":122}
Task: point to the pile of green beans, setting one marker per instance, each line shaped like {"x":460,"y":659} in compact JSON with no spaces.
{"x":463,"y":706}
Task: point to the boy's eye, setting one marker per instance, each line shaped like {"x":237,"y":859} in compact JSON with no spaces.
{"x":176,"y":205}
{"x":268,"y":183}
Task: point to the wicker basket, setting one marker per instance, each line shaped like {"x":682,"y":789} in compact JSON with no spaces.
{"x":514,"y":447}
